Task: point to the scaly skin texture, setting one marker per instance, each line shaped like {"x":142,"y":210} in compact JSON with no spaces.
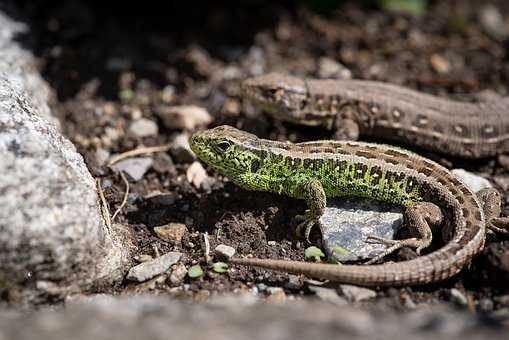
{"x":315,"y":170}
{"x":358,"y":107}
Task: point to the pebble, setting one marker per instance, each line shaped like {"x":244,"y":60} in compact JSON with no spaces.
{"x":276,"y":294}
{"x":185,"y":117}
{"x":143,"y":128}
{"x":224,"y":251}
{"x":196,"y":174}
{"x":502,"y":181}
{"x":101,"y":156}
{"x":330,"y":68}
{"x":328,"y":294}
{"x":409,"y":303}
{"x":180,"y":149}
{"x":346,"y":224}
{"x":440,"y":64}
{"x":262,"y":287}
{"x":458,"y":297}
{"x":502,"y":300}
{"x":135,"y":167}
{"x":355,"y":293}
{"x":493,"y":22}
{"x":168,"y":94}
{"x":178,"y":274}
{"x":294,"y":282}
{"x":486,"y":305}
{"x":147,"y":270}
{"x":474,"y":182}
{"x":171,"y":232}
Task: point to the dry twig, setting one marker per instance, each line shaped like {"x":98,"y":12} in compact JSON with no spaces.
{"x":136,"y":152}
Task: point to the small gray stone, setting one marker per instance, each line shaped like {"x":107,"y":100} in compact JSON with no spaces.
{"x":180,"y":149}
{"x":186,"y":117}
{"x":346,"y":224}
{"x":474,"y":182}
{"x":328,"y":294}
{"x":356,"y":293}
{"x":224,"y":251}
{"x":147,"y":270}
{"x":178,"y":274}
{"x":101,"y":156}
{"x":294,"y":282}
{"x":486,"y":305}
{"x":143,"y":128}
{"x":262,"y":287}
{"x":135,"y":167}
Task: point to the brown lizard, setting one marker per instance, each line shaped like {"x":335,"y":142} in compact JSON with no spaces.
{"x":352,"y":107}
{"x":312,"y":171}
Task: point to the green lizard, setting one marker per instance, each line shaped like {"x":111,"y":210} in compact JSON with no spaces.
{"x":315,"y":170}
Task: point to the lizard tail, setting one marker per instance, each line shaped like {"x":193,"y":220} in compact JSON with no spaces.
{"x":393,"y":274}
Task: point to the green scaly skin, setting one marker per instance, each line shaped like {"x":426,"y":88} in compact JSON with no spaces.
{"x":314,"y":171}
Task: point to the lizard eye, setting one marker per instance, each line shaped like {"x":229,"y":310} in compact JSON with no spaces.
{"x":224,"y":145}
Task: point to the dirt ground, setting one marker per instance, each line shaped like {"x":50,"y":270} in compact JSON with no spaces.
{"x":109,"y":67}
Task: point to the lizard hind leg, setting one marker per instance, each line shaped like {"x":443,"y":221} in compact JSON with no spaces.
{"x":420,"y":218}
{"x":491,"y":202}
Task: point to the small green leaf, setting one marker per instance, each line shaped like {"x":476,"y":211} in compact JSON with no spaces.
{"x":338,"y":250}
{"x":126,"y":94}
{"x":314,"y":253}
{"x":195,"y":271}
{"x":220,"y":267}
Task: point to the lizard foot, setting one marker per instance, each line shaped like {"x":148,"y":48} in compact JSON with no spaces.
{"x":491,"y":200}
{"x":394,"y":245}
{"x":499,"y":225}
{"x":304,"y":228}
{"x":419,"y":219}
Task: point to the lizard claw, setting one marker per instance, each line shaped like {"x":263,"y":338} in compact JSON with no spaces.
{"x":380,"y":240}
{"x":394,"y":245}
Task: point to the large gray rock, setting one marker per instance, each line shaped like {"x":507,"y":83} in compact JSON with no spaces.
{"x":346,"y":224}
{"x":52,"y":238}
{"x":226,"y":318}
{"x":19,"y":65}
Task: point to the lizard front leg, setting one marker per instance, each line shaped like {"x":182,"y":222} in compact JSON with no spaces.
{"x":420,"y":218}
{"x":311,"y":190}
{"x":491,"y":202}
{"x":345,"y":125}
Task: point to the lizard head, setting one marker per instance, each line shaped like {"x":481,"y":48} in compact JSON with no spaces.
{"x":225,"y":149}
{"x":278,"y":94}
